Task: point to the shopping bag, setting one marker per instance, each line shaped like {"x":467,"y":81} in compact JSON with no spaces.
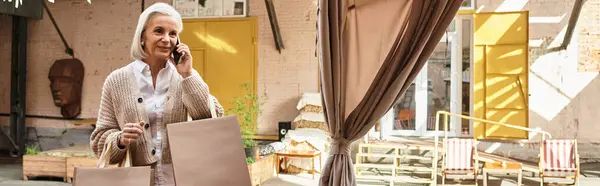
{"x":208,"y":152}
{"x":102,"y":175}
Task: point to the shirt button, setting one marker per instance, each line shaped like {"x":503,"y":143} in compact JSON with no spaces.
{"x":153,"y":151}
{"x":146,"y":126}
{"x":140,"y":100}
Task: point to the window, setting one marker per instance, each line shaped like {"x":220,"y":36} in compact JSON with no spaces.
{"x":211,"y":8}
{"x":468,"y":5}
{"x":444,"y":83}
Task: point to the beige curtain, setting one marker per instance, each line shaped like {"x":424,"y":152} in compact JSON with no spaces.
{"x":370,"y":51}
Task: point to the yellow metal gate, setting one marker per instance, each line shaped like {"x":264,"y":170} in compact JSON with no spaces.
{"x":500,"y":74}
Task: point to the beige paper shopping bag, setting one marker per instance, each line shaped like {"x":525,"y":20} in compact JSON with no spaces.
{"x":102,"y":175}
{"x":208,"y":152}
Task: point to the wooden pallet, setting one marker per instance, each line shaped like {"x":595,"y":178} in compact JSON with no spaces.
{"x":57,"y":163}
{"x":43,"y":165}
{"x":62,"y":162}
{"x":262,"y":170}
{"x":395,"y":170}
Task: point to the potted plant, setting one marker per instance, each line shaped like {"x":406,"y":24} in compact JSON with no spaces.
{"x":247,"y":108}
{"x":250,"y":145}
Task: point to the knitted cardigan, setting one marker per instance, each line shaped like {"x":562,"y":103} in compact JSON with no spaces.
{"x":122,"y":102}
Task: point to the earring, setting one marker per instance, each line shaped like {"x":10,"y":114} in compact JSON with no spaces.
{"x":142,"y":43}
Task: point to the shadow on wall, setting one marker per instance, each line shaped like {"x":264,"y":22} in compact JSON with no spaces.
{"x":576,"y":119}
{"x":562,"y":102}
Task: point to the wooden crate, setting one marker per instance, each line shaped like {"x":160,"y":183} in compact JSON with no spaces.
{"x":43,"y":165}
{"x":73,"y":162}
{"x":53,"y":163}
{"x":262,"y":170}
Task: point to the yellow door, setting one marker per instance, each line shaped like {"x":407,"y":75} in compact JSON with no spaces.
{"x":224,"y":53}
{"x":500,"y":74}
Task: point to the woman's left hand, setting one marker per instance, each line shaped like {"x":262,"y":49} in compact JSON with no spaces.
{"x":185,"y":67}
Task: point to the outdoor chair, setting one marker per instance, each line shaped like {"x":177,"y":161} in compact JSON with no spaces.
{"x":459,"y":158}
{"x":559,"y":159}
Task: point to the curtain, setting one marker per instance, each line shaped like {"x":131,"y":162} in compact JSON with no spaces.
{"x":369,"y":53}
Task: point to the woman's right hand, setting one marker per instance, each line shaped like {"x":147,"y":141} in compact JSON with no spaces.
{"x":131,"y":133}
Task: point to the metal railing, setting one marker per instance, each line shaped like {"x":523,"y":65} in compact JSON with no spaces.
{"x":446,"y":118}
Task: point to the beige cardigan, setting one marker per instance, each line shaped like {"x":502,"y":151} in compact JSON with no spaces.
{"x":122,"y":103}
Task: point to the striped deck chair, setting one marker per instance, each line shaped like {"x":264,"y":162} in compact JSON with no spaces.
{"x":559,"y":159}
{"x":460,"y":158}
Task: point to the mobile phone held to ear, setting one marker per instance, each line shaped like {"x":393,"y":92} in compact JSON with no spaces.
{"x":176,"y":55}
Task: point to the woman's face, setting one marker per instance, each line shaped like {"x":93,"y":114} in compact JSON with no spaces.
{"x":160,"y":37}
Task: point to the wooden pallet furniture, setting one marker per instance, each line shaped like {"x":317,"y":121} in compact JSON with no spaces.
{"x":401,"y":166}
{"x":502,"y":168}
{"x":262,"y":170}
{"x":299,"y":154}
{"x":44,"y":165}
{"x":57,"y":163}
{"x":61,"y":163}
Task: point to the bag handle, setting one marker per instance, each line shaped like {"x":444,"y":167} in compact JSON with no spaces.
{"x":212,"y":107}
{"x":104,"y":159}
{"x":105,"y":156}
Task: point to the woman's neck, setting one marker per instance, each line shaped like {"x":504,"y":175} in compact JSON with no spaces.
{"x":155,"y":66}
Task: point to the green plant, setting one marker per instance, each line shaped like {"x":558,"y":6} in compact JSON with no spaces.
{"x":250,"y":160}
{"x":32,"y":150}
{"x":247,"y":108}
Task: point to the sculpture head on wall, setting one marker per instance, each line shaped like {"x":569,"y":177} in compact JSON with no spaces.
{"x":66,"y":80}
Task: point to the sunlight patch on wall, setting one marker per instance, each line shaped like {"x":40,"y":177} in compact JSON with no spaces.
{"x":536,"y":42}
{"x":216,"y":43}
{"x":555,"y":80}
{"x":511,"y":5}
{"x":533,"y":134}
{"x":546,"y":99}
{"x":493,"y":148}
{"x":480,"y":8}
{"x":546,"y":19}
{"x":511,"y":54}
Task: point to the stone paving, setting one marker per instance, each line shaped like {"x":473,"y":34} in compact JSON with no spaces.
{"x":11,"y":175}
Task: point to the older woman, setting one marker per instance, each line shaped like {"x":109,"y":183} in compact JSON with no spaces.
{"x":141,"y":98}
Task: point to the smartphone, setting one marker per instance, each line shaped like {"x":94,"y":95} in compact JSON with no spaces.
{"x":176,"y":55}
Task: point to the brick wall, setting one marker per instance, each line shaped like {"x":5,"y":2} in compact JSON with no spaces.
{"x":101,"y":33}
{"x":100,"y":40}
{"x":284,"y":77}
{"x":589,"y":35}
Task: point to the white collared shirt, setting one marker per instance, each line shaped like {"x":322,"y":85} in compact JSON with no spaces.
{"x":153,"y":96}
{"x":154,"y":100}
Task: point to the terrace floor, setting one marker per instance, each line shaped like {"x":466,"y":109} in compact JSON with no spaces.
{"x":10,"y":175}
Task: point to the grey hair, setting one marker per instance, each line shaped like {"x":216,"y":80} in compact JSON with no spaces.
{"x":137,"y":50}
